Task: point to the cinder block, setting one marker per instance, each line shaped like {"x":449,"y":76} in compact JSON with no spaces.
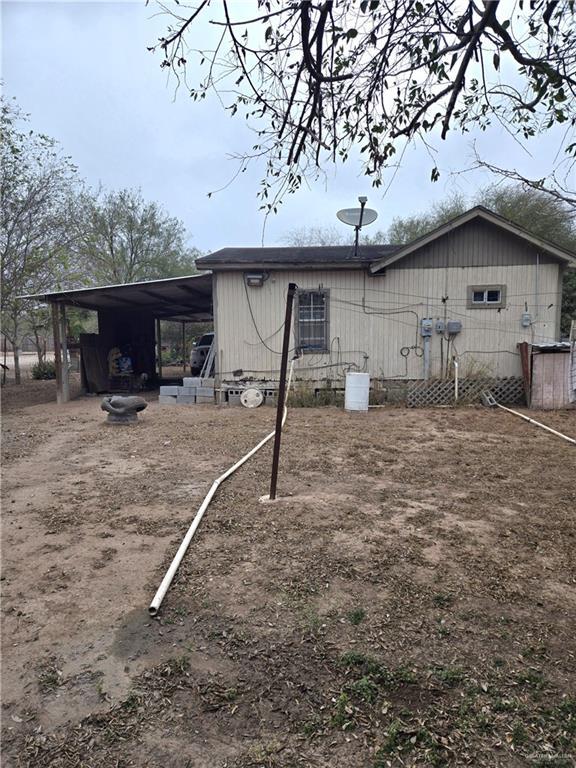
{"x":187,"y":391}
{"x":186,"y":399}
{"x":207,"y":382}
{"x":192,"y":381}
{"x":234,"y":396}
{"x":167,"y":400}
{"x":270,"y":396}
{"x":204,"y":392}
{"x":205,"y":399}
{"x":169,"y":390}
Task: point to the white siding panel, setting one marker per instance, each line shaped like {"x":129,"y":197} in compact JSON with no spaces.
{"x":249,"y":320}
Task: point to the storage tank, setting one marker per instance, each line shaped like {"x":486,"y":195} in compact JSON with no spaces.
{"x":357,"y":391}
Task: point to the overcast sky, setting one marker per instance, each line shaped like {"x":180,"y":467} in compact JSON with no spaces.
{"x":83,"y":72}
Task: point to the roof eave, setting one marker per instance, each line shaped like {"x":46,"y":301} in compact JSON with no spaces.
{"x":57,"y":295}
{"x":285,"y":265}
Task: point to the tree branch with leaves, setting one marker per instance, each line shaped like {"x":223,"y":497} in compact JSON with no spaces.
{"x":37,"y":186}
{"x":320,"y":78}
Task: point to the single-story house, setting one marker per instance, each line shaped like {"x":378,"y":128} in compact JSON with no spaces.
{"x":474,"y":288}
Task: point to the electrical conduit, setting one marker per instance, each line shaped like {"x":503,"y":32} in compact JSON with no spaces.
{"x":154,"y":606}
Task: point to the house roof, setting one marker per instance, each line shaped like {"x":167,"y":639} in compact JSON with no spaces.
{"x":479,"y":212}
{"x":290,"y":256}
{"x":175,"y":298}
{"x":376,"y":257}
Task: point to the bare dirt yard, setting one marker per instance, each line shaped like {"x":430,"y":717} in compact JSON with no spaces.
{"x":409,"y":601}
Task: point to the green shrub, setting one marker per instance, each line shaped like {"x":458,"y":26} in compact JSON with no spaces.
{"x":45,"y":370}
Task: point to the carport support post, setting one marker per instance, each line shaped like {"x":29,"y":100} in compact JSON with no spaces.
{"x":184,"y":347}
{"x":159,"y":347}
{"x":65,"y":360}
{"x":57,"y":352}
{"x":282,"y":389}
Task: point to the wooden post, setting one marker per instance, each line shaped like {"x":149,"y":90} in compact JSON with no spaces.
{"x":184,"y":347}
{"x":282,"y":389}
{"x":159,"y":347}
{"x":57,"y":351}
{"x":65,"y":359}
{"x":525,"y":356}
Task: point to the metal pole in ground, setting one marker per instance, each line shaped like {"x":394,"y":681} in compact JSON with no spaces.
{"x":282,"y":389}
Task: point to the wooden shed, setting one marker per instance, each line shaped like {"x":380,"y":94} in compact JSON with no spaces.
{"x":553,"y":375}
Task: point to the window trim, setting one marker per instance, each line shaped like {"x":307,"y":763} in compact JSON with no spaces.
{"x":472,"y":289}
{"x":326,"y":293}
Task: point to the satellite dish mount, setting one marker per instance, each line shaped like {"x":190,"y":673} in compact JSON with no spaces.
{"x":357,"y":218}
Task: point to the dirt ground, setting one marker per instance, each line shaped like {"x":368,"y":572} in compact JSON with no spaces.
{"x":410,"y":600}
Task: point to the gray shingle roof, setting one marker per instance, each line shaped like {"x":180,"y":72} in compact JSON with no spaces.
{"x":290,"y":255}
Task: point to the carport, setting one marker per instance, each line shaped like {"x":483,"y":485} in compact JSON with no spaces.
{"x":129,"y":317}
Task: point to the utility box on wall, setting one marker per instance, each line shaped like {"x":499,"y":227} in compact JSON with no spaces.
{"x":426,"y":327}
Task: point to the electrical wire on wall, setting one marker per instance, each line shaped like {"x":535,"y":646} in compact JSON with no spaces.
{"x":262,"y":340}
{"x":389,"y":310}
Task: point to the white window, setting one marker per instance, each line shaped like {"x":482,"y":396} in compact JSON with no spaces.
{"x":312,"y":321}
{"x":486,"y":296}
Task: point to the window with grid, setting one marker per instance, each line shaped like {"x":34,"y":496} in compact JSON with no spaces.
{"x":312,"y":321}
{"x":485,"y":296}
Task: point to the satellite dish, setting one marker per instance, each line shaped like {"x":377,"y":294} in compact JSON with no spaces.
{"x":251,"y":398}
{"x":353,"y":216}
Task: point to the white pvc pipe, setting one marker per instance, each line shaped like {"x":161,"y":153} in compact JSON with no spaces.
{"x":455,"y":362}
{"x":537,"y":423}
{"x":154,"y":606}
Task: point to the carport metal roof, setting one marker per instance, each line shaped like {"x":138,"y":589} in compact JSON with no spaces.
{"x":174,"y":298}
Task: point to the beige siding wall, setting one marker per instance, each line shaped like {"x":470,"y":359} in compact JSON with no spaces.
{"x":249,"y":320}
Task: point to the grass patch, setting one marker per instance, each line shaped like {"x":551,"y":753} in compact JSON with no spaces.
{"x":365,"y":688}
{"x":402,"y":739}
{"x":369,"y":666}
{"x":342,"y":715}
{"x":312,"y":727}
{"x":519,"y":734}
{"x":449,"y":676}
{"x":442,"y":600}
{"x":531,"y":678}
{"x":49,"y":677}
{"x":356,"y":616}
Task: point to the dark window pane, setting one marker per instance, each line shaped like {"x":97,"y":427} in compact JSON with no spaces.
{"x":312,"y":320}
{"x":478,"y":296}
{"x":493,"y":296}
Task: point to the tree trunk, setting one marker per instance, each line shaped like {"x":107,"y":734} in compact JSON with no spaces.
{"x":40,"y":345}
{"x":16,"y":354}
{"x":4,"y":368}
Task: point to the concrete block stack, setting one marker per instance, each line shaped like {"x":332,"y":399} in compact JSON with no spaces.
{"x":193,"y":390}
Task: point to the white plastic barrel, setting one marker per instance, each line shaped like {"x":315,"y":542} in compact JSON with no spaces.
{"x":357,"y":391}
